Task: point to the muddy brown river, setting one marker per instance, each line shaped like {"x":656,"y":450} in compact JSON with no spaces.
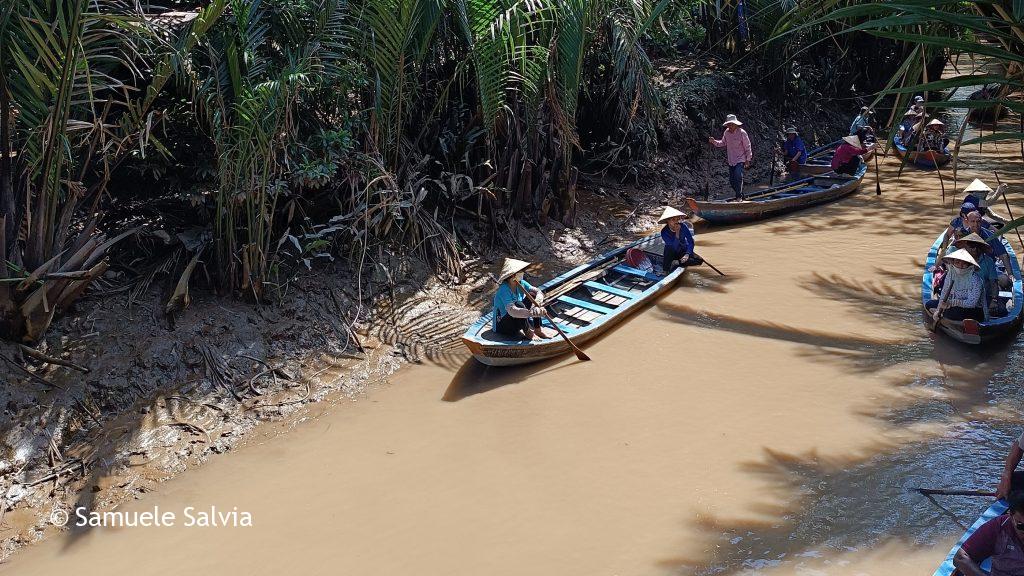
{"x":772,"y":421}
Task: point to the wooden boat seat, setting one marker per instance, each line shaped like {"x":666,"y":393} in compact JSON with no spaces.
{"x":610,"y":290}
{"x":584,"y":304}
{"x":622,"y":268}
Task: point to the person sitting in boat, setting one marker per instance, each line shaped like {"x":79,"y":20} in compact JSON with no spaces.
{"x":973,"y":223}
{"x":847,"y":158}
{"x":982,"y":253}
{"x":863,"y":120}
{"x":962,"y":290}
{"x":678,"y":241}
{"x":514,"y":314}
{"x":907,"y":128}
{"x":935,"y":136}
{"x":867,"y":135}
{"x":958,"y":226}
{"x":1001,"y":539}
{"x":794,"y":151}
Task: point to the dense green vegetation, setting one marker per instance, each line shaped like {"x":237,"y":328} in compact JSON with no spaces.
{"x":261,"y":136}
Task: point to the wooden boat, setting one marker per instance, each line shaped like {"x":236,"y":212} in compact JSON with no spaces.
{"x":585,"y":301}
{"x":985,"y":332}
{"x":946,"y":568}
{"x":780,"y":199}
{"x":819,"y":160}
{"x":922,"y":158}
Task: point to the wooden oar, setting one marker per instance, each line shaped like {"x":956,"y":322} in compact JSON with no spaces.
{"x":579,"y":353}
{"x":1009,"y":211}
{"x":710,"y":265}
{"x":937,"y":319}
{"x":797,"y":184}
{"x":944,"y":492}
{"x":878,"y":185}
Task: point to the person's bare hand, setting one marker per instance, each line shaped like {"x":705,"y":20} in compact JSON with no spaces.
{"x":1004,"y":486}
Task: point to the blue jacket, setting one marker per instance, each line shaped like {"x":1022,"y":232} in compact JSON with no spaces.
{"x":795,"y":147}
{"x":682,"y":244}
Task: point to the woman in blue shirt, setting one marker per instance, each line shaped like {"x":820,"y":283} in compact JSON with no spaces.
{"x":514,"y":314}
{"x":678,"y":241}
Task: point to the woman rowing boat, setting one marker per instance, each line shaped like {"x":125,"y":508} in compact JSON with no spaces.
{"x":514,"y":314}
{"x":678,"y":241}
{"x":962,"y":296}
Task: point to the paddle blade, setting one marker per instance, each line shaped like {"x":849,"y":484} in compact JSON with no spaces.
{"x":582,"y":355}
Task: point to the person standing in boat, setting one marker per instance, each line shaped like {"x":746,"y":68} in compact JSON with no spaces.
{"x":918,"y":106}
{"x":1001,"y":539}
{"x":794,"y":151}
{"x":863,"y":120}
{"x":678,"y":241}
{"x":514,"y":314}
{"x":738,"y":152}
{"x":847,"y":158}
{"x":962,"y":290}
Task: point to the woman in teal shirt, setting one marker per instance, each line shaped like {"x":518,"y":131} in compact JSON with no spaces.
{"x":514,"y":314}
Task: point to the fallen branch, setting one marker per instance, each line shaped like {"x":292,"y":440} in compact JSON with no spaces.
{"x":36,"y":354}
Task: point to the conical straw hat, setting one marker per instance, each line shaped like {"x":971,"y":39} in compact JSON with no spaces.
{"x":511,"y":267}
{"x":973,"y":238}
{"x":670,"y":212}
{"x":852,"y":140}
{"x":961,"y":254}
{"x":936,"y":122}
{"x":977,"y":186}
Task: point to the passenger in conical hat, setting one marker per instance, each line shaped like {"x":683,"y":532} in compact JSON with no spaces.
{"x":907,"y":128}
{"x":935,"y":136}
{"x":963,"y":290}
{"x":847,"y":157}
{"x":678,"y":241}
{"x":514,"y":314}
{"x":982,"y":197}
{"x":981,"y":251}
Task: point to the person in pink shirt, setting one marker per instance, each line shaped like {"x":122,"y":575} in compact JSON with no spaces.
{"x":847,"y":158}
{"x":737,"y":148}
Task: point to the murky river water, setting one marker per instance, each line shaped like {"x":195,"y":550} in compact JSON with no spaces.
{"x":770,"y":421}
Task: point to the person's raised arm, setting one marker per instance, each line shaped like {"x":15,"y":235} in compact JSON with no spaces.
{"x":717,"y":143}
{"x":1012,"y":460}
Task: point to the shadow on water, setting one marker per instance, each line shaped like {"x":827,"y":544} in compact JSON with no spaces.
{"x":476,"y":378}
{"x":942,"y":432}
